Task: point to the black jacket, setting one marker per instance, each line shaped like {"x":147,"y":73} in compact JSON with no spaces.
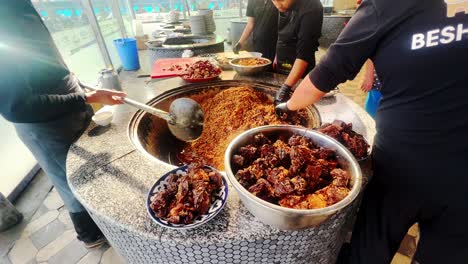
{"x":35,"y":84}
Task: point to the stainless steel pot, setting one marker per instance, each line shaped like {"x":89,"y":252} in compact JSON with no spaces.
{"x":287,"y":218}
{"x":151,"y":135}
{"x":249,"y":70}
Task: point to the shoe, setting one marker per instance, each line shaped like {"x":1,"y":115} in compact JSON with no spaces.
{"x":97,"y":243}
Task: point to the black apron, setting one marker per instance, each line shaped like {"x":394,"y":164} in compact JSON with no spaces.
{"x":264,"y":34}
{"x":287,"y":42}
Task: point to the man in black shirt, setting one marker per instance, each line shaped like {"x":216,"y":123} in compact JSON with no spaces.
{"x":420,"y":51}
{"x":263,"y":25}
{"x":299,"y":29}
{"x":45,"y":102}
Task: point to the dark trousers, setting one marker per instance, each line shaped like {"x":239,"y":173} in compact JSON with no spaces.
{"x":422,"y":187}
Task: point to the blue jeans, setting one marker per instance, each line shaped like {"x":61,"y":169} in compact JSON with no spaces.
{"x":49,"y":142}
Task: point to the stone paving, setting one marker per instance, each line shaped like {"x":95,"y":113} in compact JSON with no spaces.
{"x":50,"y":238}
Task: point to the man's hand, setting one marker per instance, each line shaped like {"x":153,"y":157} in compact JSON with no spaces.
{"x":237,"y":48}
{"x":283,"y":94}
{"x":282,"y":110}
{"x":107,"y":97}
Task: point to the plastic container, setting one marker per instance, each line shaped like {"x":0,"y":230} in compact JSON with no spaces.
{"x":128,"y":53}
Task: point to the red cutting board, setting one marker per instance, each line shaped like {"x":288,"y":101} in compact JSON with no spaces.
{"x":161,"y":68}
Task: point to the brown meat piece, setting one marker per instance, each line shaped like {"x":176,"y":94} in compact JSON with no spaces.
{"x":216,"y":180}
{"x":282,"y":151}
{"x":238,"y":160}
{"x":249,"y":153}
{"x":201,"y":200}
{"x":261,"y":188}
{"x":344,"y":133}
{"x":282,"y":188}
{"x":296,"y":174}
{"x":300,"y":184}
{"x":245,"y":177}
{"x":300,"y":155}
{"x":297,"y":140}
{"x":333,"y":193}
{"x":340,"y":177}
{"x":311,"y":201}
{"x":291,"y":201}
{"x":276,"y":174}
{"x":186,"y":197}
{"x":182,"y":190}
{"x":260,"y":139}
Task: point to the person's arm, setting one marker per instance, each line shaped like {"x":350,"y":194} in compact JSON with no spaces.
{"x":21,"y":104}
{"x":247,"y":30}
{"x":298,"y":69}
{"x":368,"y":81}
{"x":344,"y":58}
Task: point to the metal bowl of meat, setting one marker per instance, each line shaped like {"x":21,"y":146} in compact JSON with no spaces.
{"x":250,"y":65}
{"x":201,"y":71}
{"x":187,"y":197}
{"x":291,"y":177}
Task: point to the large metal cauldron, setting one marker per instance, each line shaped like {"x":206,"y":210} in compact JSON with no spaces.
{"x":151,"y":135}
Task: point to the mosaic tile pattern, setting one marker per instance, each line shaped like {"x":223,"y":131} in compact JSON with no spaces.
{"x":314,"y":245}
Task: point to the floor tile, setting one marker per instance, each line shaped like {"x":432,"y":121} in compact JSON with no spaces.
{"x":23,"y":251}
{"x":111,"y":257}
{"x":94,"y":256}
{"x":55,"y":246}
{"x":64,"y":217}
{"x":39,"y":223}
{"x":72,"y":253}
{"x":5,"y":260}
{"x":40,"y":212}
{"x":53,"y":200}
{"x":47,"y":234}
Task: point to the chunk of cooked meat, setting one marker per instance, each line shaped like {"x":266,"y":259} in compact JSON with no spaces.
{"x":292,"y":172}
{"x":300,"y":184}
{"x":238,"y":160}
{"x":345,"y":134}
{"x":297,"y":140}
{"x":333,"y":194}
{"x":261,"y":139}
{"x":300,"y":155}
{"x":340,"y":177}
{"x":187,"y":196}
{"x":261,"y":188}
{"x":291,"y":201}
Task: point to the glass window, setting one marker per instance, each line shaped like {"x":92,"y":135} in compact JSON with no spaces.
{"x":73,"y":36}
{"x":127,"y":17}
{"x":109,"y":27}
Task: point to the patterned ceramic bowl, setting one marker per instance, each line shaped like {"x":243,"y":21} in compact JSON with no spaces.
{"x":216,"y":206}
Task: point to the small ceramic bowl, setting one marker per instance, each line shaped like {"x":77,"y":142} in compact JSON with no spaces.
{"x":216,"y":206}
{"x":103,"y":118}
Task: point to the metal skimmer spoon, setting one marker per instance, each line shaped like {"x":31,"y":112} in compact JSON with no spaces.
{"x":185,"y":117}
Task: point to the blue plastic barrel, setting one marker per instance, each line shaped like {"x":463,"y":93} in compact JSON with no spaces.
{"x":128,"y":53}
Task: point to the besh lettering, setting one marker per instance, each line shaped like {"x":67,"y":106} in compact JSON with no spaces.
{"x":436,"y":37}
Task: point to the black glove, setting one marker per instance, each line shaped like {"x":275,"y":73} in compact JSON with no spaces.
{"x":282,"y":110}
{"x":283,"y":94}
{"x":237,"y":48}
